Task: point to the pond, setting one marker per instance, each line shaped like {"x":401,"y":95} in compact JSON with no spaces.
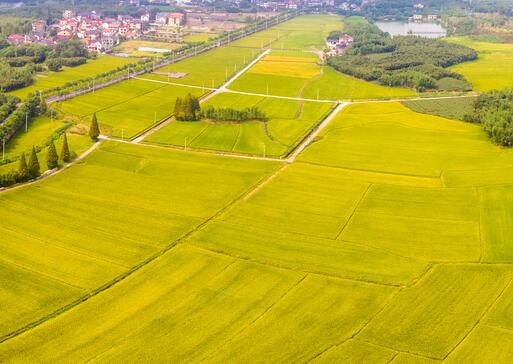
{"x":428,"y":30}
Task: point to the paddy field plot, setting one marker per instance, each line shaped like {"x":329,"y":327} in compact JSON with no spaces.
{"x":56,"y":79}
{"x":294,"y":220}
{"x":386,"y":240}
{"x":450,"y":108}
{"x":289,"y":121}
{"x":388,"y":137}
{"x":307,"y":32}
{"x":492,"y":69}
{"x":136,"y":214}
{"x":433,"y":317}
{"x":209,"y":69}
{"x":296,"y":74}
{"x":127,"y":108}
{"x":302,"y":33}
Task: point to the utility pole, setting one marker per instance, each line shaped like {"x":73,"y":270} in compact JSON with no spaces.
{"x":122,"y":134}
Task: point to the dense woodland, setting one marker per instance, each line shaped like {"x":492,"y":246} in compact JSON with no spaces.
{"x":406,"y":61}
{"x":494,"y":111}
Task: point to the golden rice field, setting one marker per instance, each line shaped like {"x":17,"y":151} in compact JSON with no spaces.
{"x":492,"y":69}
{"x":387,"y":240}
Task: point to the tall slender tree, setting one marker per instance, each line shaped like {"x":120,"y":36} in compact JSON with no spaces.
{"x":94,"y":129}
{"x":65,"y":154}
{"x":34,"y":169}
{"x":23,"y":168}
{"x":52,"y":159}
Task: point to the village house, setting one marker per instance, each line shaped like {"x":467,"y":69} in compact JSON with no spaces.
{"x":338,"y":45}
{"x":38,"y":27}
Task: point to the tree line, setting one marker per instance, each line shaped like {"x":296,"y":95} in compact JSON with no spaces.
{"x":30,"y":170}
{"x":406,"y":61}
{"x":229,"y":114}
{"x":188,"y":109}
{"x":494,"y":111}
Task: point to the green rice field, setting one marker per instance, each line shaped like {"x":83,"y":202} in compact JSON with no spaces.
{"x":288,"y":122}
{"x":209,"y":69}
{"x":129,"y":107}
{"x":386,"y":240}
{"x":57,"y":79}
{"x":306,"y":32}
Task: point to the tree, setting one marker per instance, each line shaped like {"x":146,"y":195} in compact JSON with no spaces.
{"x":65,"y":154}
{"x":52,"y":159}
{"x":33,"y":165}
{"x":94,"y":129}
{"x":43,"y":107}
{"x":54,"y":65}
{"x":23,"y":168}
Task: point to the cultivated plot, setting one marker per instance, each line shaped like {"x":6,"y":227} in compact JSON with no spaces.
{"x":127,"y":108}
{"x":56,"y":79}
{"x":296,"y":74}
{"x":303,"y":33}
{"x":209,"y":69}
{"x":491,"y":71}
{"x":289,"y":121}
{"x":388,"y":137}
{"x":136,"y":214}
{"x":293,"y":221}
{"x":433,"y":317}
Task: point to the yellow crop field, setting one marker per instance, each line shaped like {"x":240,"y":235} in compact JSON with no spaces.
{"x":492,"y":69}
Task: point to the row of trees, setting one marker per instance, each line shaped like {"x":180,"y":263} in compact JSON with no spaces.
{"x":188,"y":109}
{"x":7,"y":105}
{"x":30,"y":108}
{"x":228,"y":114}
{"x":32,"y":169}
{"x":494,"y":111}
{"x":407,"y":61}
